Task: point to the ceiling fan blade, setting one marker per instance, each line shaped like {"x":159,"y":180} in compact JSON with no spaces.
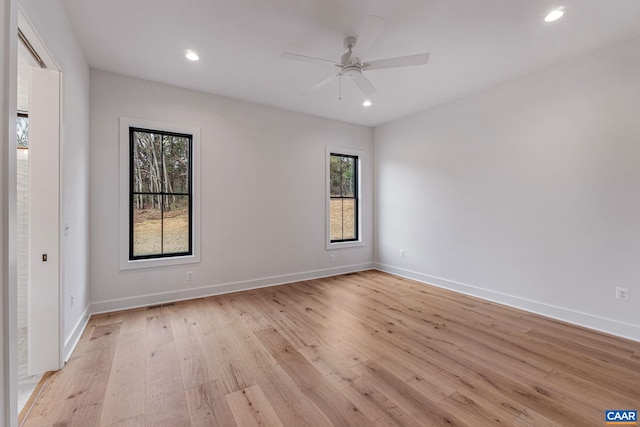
{"x":365,"y":85}
{"x":322,"y":84}
{"x":372,"y":28}
{"x":305,"y":58}
{"x":401,"y":61}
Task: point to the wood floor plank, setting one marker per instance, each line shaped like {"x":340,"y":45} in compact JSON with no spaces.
{"x":331,"y":359}
{"x":251,"y":407}
{"x":292,"y":406}
{"x":134,"y":320}
{"x":247,"y":310}
{"x":234,"y":367}
{"x":299,"y":369}
{"x":285,"y":320}
{"x":507,"y":362}
{"x":165,"y":402}
{"x":534,"y":394}
{"x":428,"y":384}
{"x":336,"y":407}
{"x":407,"y":398}
{"x":194,"y":363}
{"x":481,"y":390}
{"x":125,"y":394}
{"x":99,"y":338}
{"x":603,"y":372}
{"x":366,"y":348}
{"x":592,"y":394}
{"x":471,"y":412}
{"x":490,"y":344}
{"x":158,"y":329}
{"x":530,"y":418}
{"x":106,"y":319}
{"x":131,"y":422}
{"x":208,"y":406}
{"x":372,"y":402}
{"x":590,"y":337}
{"x":242,"y":359}
{"x":559,"y":339}
{"x":311,"y":382}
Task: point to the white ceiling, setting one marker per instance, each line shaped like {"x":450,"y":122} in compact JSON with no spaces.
{"x":473,"y":44}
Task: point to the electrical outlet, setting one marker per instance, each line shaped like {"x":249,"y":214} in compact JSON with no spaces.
{"x":332,"y":257}
{"x":71,"y":300}
{"x":189,"y":275}
{"x":622,"y":294}
{"x":401,"y":253}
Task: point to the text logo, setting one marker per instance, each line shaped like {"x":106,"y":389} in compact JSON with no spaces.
{"x":621,"y":417}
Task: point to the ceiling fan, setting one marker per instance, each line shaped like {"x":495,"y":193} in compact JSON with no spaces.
{"x":352,"y":67}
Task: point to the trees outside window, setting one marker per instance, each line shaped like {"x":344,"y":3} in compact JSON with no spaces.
{"x":160,"y":181}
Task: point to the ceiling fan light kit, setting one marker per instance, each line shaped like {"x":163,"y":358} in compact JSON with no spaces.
{"x":352,"y":67}
{"x":352,"y":71}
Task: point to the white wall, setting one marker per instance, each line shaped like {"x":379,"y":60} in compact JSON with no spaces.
{"x":50,"y":20}
{"x":263,"y":190}
{"x":527,"y":193}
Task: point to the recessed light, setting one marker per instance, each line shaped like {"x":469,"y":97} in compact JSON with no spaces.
{"x":555,"y":14}
{"x":192,"y":56}
{"x":366,"y":103}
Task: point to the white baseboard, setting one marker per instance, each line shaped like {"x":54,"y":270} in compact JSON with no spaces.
{"x":186,"y":294}
{"x":610,"y":326}
{"x":76,"y":333}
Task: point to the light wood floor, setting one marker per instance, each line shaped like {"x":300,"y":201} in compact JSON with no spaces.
{"x":365,"y":349}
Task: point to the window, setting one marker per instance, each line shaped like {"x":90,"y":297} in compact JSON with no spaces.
{"x":160,"y":194}
{"x":344,"y":197}
{"x":343,"y":210}
{"x":159,"y":209}
{"x":22,"y":128}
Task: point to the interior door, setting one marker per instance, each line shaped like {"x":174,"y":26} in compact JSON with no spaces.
{"x":44,"y":220}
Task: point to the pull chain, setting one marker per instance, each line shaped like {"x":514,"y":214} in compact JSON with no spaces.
{"x":340,"y":88}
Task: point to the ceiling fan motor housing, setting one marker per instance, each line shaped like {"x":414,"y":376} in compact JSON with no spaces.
{"x":349,"y":42}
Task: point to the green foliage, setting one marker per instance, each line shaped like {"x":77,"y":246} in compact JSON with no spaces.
{"x":342,"y":175}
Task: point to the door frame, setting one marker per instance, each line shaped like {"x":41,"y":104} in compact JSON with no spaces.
{"x":8,"y":227}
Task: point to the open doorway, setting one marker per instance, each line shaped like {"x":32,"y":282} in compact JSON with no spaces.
{"x":38,"y":244}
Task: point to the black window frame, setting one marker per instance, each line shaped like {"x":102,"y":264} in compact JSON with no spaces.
{"x":355,"y":198}
{"x":132,"y":194}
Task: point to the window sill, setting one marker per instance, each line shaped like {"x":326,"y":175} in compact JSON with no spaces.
{"x":342,"y":245}
{"x":158,"y":262}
